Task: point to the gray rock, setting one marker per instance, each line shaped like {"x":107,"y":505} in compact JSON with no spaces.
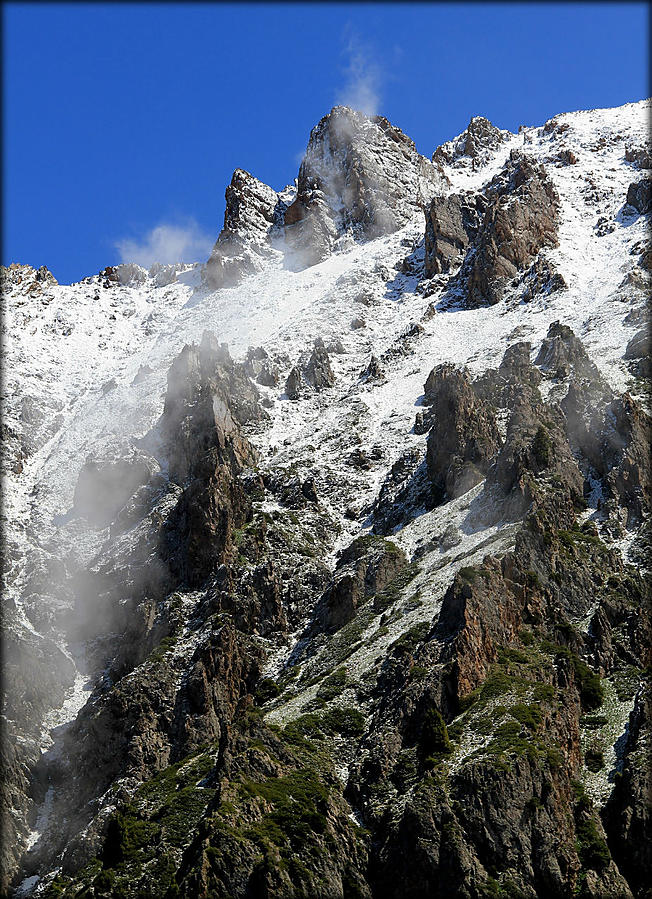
{"x":243,"y":244}
{"x":477,"y":144}
{"x":360,"y":174}
{"x":639,"y":195}
{"x":463,"y":438}
{"x":521,"y":219}
{"x":452,"y":223}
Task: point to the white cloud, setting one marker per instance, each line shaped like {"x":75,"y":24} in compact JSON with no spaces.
{"x":167,"y":243}
{"x":363,"y":77}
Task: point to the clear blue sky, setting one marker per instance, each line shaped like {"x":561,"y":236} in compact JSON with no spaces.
{"x":120,"y":118}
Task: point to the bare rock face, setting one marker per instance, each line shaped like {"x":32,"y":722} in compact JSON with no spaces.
{"x":536,"y":443}
{"x":464,"y":437}
{"x":624,"y":441}
{"x":628,"y":814}
{"x":474,"y":144}
{"x":639,"y":195}
{"x":359,"y":174}
{"x":208,"y":398}
{"x":252,"y":208}
{"x":638,"y":350}
{"x":562,"y":354}
{"x":313,"y":373}
{"x":364,"y":569}
{"x":541,"y":278}
{"x":521,"y":219}
{"x":452,"y":223}
{"x":261,"y":368}
{"x":639,"y":156}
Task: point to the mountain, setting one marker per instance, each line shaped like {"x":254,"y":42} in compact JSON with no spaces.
{"x":325,"y":561}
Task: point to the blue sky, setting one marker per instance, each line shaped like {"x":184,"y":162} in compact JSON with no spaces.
{"x":126,"y":118}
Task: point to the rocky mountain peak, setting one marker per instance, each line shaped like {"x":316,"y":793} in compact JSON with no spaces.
{"x":473,"y":146}
{"x":361,"y":175}
{"x":252,"y":208}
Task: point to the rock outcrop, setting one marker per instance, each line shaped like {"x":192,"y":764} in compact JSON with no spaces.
{"x":452,"y":223}
{"x":208,"y":397}
{"x":521,"y":219}
{"x":359,"y":174}
{"x":311,"y":373}
{"x":252,"y":211}
{"x":364,"y":569}
{"x":463,"y":438}
{"x":639,"y":195}
{"x":496,"y":234}
{"x":473,"y":146}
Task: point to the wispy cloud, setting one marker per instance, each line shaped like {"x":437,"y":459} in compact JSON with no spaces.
{"x":167,"y":243}
{"x":364,"y":76}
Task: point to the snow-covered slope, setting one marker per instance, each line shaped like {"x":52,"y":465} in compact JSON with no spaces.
{"x":88,"y":362}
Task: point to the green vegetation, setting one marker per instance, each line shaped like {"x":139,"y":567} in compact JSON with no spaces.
{"x":333,"y":685}
{"x":418,"y":672}
{"x":592,"y":849}
{"x":298,"y":810}
{"x":126,"y":833}
{"x":588,"y":682}
{"x":455,"y":730}
{"x":346,"y":722}
{"x":594,"y":759}
{"x":345,"y":642}
{"x":267,"y":689}
{"x":407,"y":642}
{"x":590,"y":686}
{"x":166,"y":644}
{"x":434,"y":738}
{"x":527,"y":715}
{"x":542,"y":447}
{"x":384,"y":598}
{"x":510,"y":654}
{"x":405,"y":771}
{"x":543,"y":692}
{"x":594,"y":721}
{"x":626,"y":681}
{"x":576,"y":536}
{"x":468,"y":574}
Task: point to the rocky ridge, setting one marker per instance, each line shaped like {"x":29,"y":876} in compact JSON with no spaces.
{"x":329,"y":651}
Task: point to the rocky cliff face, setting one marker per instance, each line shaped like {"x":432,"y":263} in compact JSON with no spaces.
{"x":359,"y":175}
{"x":357,"y":604}
{"x":252,"y":211}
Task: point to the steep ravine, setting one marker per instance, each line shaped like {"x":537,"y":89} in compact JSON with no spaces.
{"x":360,"y":599}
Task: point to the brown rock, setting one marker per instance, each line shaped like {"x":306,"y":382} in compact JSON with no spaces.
{"x":521,"y":219}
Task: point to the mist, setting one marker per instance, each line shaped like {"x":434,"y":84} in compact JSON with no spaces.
{"x":167,"y":243}
{"x":362,"y":88}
